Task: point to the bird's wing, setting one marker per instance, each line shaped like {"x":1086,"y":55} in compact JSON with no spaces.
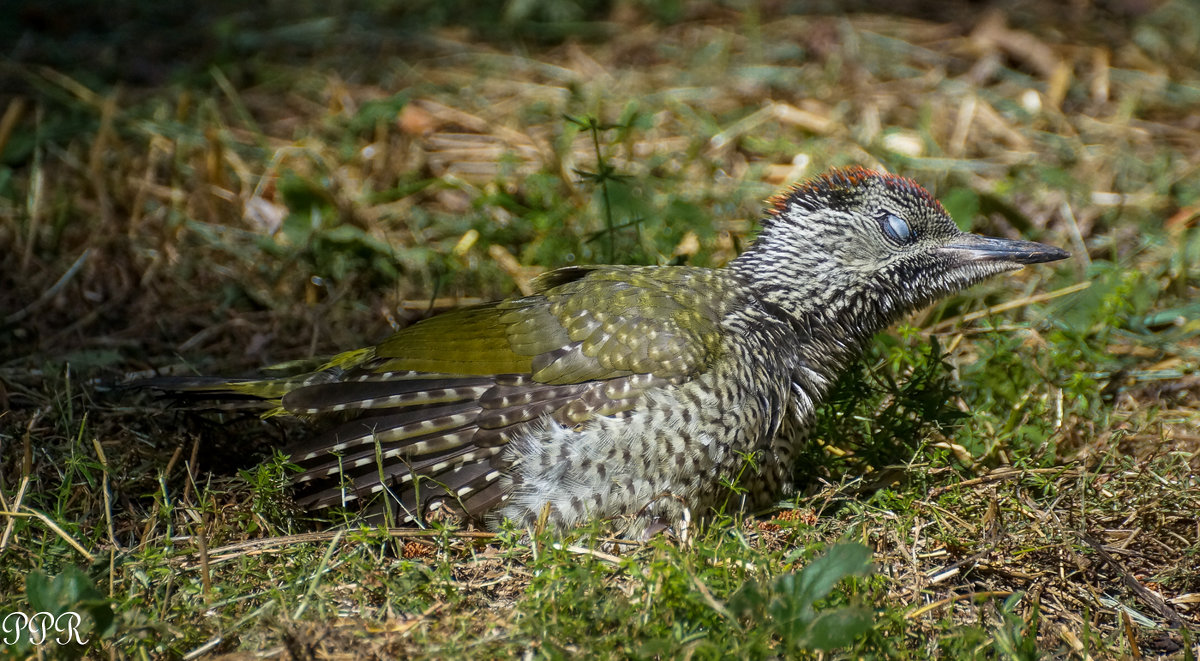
{"x":442,"y":397}
{"x":583,"y":324}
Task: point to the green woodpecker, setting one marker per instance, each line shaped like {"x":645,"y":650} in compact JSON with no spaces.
{"x":630,"y":390}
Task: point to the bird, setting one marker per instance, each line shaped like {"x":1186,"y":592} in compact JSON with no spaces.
{"x":642,"y":393}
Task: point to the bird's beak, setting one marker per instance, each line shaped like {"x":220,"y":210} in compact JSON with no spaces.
{"x":975,"y":248}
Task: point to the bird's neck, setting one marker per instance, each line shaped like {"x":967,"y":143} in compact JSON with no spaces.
{"x":832,"y":319}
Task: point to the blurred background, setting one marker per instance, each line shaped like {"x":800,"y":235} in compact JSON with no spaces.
{"x":309,"y":159}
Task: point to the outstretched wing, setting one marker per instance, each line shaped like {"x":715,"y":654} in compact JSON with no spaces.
{"x":434,"y":405}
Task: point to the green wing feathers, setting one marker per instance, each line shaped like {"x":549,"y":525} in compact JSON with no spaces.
{"x":640,"y":321}
{"x":584,"y":325}
{"x":471,"y":341}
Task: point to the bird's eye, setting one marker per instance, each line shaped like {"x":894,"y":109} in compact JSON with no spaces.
{"x":896,"y":228}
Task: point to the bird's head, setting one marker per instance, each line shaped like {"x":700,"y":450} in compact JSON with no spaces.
{"x":862,"y":248}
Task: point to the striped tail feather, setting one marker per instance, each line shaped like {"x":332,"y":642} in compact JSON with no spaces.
{"x":330,"y":464}
{"x":413,"y":438}
{"x":416,"y":429}
{"x":423,"y":441}
{"x":264,"y":392}
{"x":429,"y":441}
{"x":378,"y":393}
{"x":446,"y":479}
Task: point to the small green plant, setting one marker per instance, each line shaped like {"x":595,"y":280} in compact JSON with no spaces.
{"x":1016,"y":639}
{"x":787,"y":607}
{"x":604,"y":175}
{"x":66,"y":615}
{"x":268,"y":482}
{"x":879,"y":413}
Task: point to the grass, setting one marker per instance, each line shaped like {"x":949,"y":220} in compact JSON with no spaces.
{"x":1020,"y":461}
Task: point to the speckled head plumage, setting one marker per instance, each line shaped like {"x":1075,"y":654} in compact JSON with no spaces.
{"x":860,"y":248}
{"x":842,"y":187}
